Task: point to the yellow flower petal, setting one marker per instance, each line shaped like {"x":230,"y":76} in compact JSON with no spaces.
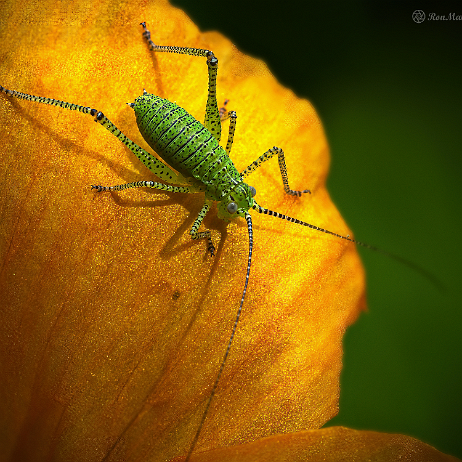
{"x":113,"y":322}
{"x":332,"y":444}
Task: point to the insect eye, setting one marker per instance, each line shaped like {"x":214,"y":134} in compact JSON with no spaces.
{"x":232,"y":207}
{"x":252,"y":190}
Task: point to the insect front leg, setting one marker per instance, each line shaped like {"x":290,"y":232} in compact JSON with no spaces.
{"x":212,"y":114}
{"x":203,"y":234}
{"x":282,"y":167}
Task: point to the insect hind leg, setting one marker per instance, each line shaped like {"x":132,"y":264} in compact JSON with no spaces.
{"x":212,"y":114}
{"x":282,"y":167}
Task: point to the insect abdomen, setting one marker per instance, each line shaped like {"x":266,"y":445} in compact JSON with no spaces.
{"x":184,"y":143}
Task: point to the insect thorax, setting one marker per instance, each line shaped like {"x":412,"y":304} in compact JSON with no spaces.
{"x":185,"y":144}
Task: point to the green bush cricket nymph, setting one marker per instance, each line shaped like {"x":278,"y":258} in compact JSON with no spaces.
{"x":200,"y":165}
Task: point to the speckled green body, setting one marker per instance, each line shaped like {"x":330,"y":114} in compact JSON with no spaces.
{"x":185,"y":144}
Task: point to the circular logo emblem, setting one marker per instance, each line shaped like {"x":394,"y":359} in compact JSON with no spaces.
{"x":418,"y":16}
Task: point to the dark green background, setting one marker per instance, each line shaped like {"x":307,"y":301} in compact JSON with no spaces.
{"x":388,"y":92}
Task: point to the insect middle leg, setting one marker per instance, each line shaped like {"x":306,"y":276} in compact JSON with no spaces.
{"x":212,"y":114}
{"x":232,"y":128}
{"x":143,"y":184}
{"x":225,"y":115}
{"x":282,"y":167}
{"x":175,"y":189}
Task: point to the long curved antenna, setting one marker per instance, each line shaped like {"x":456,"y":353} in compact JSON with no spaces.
{"x":431,"y":277}
{"x":228,"y":348}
